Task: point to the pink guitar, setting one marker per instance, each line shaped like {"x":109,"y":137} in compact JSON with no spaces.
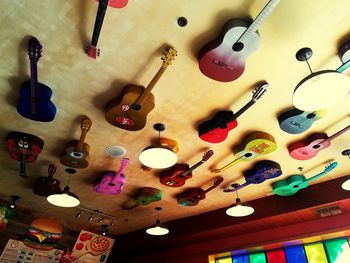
{"x":308,"y":148}
{"x":112,"y":182}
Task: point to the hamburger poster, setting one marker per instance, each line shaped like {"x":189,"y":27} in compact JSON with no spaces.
{"x":91,"y":248}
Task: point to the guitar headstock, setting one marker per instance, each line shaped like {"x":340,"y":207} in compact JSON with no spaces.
{"x":169,"y":56}
{"x":330,"y":167}
{"x":86,"y":125}
{"x":124,"y":163}
{"x":52,"y":169}
{"x":34,"y":49}
{"x":93,"y":52}
{"x":207,"y":155}
{"x":260,"y":91}
{"x":23,"y":144}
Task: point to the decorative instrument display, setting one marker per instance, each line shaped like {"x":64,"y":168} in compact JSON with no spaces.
{"x":77,"y":153}
{"x":216,"y":129}
{"x":295,"y":121}
{"x":177,"y":175}
{"x":23,"y":147}
{"x":192,"y":196}
{"x":223,"y":59}
{"x":144,"y":196}
{"x":309,"y":147}
{"x":112,"y":182}
{"x":261,"y":171}
{"x":45,"y":186}
{"x":129,"y":110}
{"x":294,"y":183}
{"x":35,"y":103}
{"x":255,"y":144}
{"x":344,"y":54}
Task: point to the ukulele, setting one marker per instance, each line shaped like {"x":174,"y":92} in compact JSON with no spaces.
{"x":296,"y":121}
{"x":112,"y":182}
{"x":294,"y":183}
{"x":144,"y":196}
{"x":261,"y":172}
{"x":23,"y":147}
{"x":308,"y":148}
{"x":34,"y":103}
{"x":216,"y":129}
{"x":45,"y":186}
{"x":92,"y":50}
{"x":129,"y":110}
{"x":77,"y":154}
{"x":254,"y":145}
{"x":192,"y":196}
{"x":177,"y":175}
{"x":223,"y":59}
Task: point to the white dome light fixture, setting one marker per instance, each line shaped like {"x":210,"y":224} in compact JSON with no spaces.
{"x":158,"y":229}
{"x":239,"y":209}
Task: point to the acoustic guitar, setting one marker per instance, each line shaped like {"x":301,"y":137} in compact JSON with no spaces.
{"x":295,"y":183}
{"x":77,"y":153}
{"x":255,"y":144}
{"x":177,"y":175}
{"x":144,"y":196}
{"x":308,"y":148}
{"x":216,"y":129}
{"x":192,"y":196}
{"x":261,"y":172}
{"x":35,"y":103}
{"x":223,"y":59}
{"x":129,"y":110}
{"x":45,"y":186}
{"x":25,"y":148}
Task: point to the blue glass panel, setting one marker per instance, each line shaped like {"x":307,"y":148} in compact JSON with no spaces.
{"x":240,"y":258}
{"x":295,"y":254}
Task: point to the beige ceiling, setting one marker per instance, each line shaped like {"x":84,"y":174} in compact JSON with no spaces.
{"x":131,"y":41}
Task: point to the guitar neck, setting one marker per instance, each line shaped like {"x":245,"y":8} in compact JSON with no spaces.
{"x":33,"y":84}
{"x":119,"y":172}
{"x":243,"y":109}
{"x":81,"y":141}
{"x":343,"y":67}
{"x":235,"y":161}
{"x":336,"y":135}
{"x":22,"y":166}
{"x":191,"y":169}
{"x":102,"y":7}
{"x":326,"y":171}
{"x":217,"y":181}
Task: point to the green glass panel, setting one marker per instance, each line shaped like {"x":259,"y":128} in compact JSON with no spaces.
{"x":258,"y":257}
{"x":223,"y":260}
{"x":315,"y":253}
{"x":337,"y":250}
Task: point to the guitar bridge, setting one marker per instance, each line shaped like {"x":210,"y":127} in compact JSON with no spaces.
{"x":222,"y":64}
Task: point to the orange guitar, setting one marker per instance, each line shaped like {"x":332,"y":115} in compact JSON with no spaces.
{"x":129,"y":110}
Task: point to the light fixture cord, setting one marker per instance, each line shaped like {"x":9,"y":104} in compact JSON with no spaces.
{"x":68,"y":179}
{"x":307,"y":62}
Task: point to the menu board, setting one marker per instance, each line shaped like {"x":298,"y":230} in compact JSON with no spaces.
{"x":16,"y":251}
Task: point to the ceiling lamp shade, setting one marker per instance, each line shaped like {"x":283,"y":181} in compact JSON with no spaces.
{"x":158,"y":229}
{"x":240,"y":209}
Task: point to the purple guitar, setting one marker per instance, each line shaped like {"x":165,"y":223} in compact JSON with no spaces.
{"x":112,"y":182}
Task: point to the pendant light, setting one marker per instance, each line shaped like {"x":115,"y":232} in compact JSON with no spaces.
{"x":239,"y":209}
{"x":162,"y":155}
{"x":13,"y":201}
{"x":158,"y":229}
{"x":65,"y":198}
{"x":321,"y":89}
{"x":346,"y":184}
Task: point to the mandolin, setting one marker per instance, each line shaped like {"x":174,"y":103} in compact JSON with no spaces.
{"x":129,"y":110}
{"x":255,"y":144}
{"x":35,"y":103}
{"x":177,"y":175}
{"x":23,"y":147}
{"x":223,"y":59}
{"x":144,"y":196}
{"x":192,"y":196}
{"x":308,"y":148}
{"x":294,"y":183}
{"x":77,"y":154}
{"x":216,"y":129}
{"x":261,"y":172}
{"x":45,"y":186}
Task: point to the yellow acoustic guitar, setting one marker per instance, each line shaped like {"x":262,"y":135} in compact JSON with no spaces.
{"x":129,"y":110}
{"x":254,"y":144}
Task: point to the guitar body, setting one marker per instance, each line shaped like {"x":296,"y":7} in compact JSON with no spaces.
{"x":144,"y":196}
{"x":106,"y":187}
{"x":119,"y":111}
{"x":289,"y":186}
{"x":76,"y":159}
{"x":307,"y":149}
{"x":191,"y":197}
{"x":45,"y":186}
{"x":223,"y":59}
{"x":117,"y":3}
{"x":172,"y":176}
{"x":262,"y":171}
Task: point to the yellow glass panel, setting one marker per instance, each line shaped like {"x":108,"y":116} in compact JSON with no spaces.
{"x":315,"y":253}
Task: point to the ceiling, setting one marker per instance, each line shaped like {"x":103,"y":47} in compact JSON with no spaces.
{"x":132,"y":41}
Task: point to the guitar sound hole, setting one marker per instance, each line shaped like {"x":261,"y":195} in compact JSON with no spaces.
{"x":295,"y":186}
{"x":311,"y":116}
{"x":316,"y":146}
{"x":238,"y":46}
{"x":110,"y":184}
{"x":135,"y":106}
{"x":248,"y":155}
{"x":77,"y":154}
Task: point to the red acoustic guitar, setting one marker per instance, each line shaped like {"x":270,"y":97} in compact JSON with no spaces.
{"x":45,"y":186}
{"x":177,"y":175}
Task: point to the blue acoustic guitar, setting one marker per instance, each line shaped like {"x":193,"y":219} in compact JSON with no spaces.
{"x":35,"y":97}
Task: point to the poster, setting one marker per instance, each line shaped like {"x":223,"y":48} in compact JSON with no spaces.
{"x":92,"y":248}
{"x":16,"y":252}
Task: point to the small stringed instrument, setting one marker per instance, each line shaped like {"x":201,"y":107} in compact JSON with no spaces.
{"x":294,"y":183}
{"x":216,"y":129}
{"x":223,"y":59}
{"x":129,"y":110}
{"x":35,"y":103}
{"x":144,"y":196}
{"x":296,"y":121}
{"x":77,"y":154}
{"x":23,"y":147}
{"x":112,"y":182}
{"x":308,"y":148}
{"x":261,"y":172}
{"x":45,"y":186}
{"x":254,"y":145}
{"x":192,"y":196}
{"x":177,"y":175}
{"x":92,"y":50}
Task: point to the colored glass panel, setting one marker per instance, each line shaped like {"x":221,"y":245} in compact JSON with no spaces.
{"x":295,"y":254}
{"x":276,"y":256}
{"x":258,"y":257}
{"x":338,"y":250}
{"x":224,"y":260}
{"x":315,"y":253}
{"x":240,"y":258}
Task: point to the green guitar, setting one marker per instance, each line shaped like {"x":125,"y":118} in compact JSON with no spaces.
{"x":294,"y":183}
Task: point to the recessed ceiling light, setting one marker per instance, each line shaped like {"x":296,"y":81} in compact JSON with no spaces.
{"x":115,"y":151}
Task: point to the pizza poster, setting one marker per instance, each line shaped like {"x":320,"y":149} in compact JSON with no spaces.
{"x":16,"y":251}
{"x":92,"y":248}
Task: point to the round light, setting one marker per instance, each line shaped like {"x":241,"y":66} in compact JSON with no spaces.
{"x":115,"y":151}
{"x":346,"y":185}
{"x":239,"y":209}
{"x":158,"y":157}
{"x":64,"y":199}
{"x":157,"y":230}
